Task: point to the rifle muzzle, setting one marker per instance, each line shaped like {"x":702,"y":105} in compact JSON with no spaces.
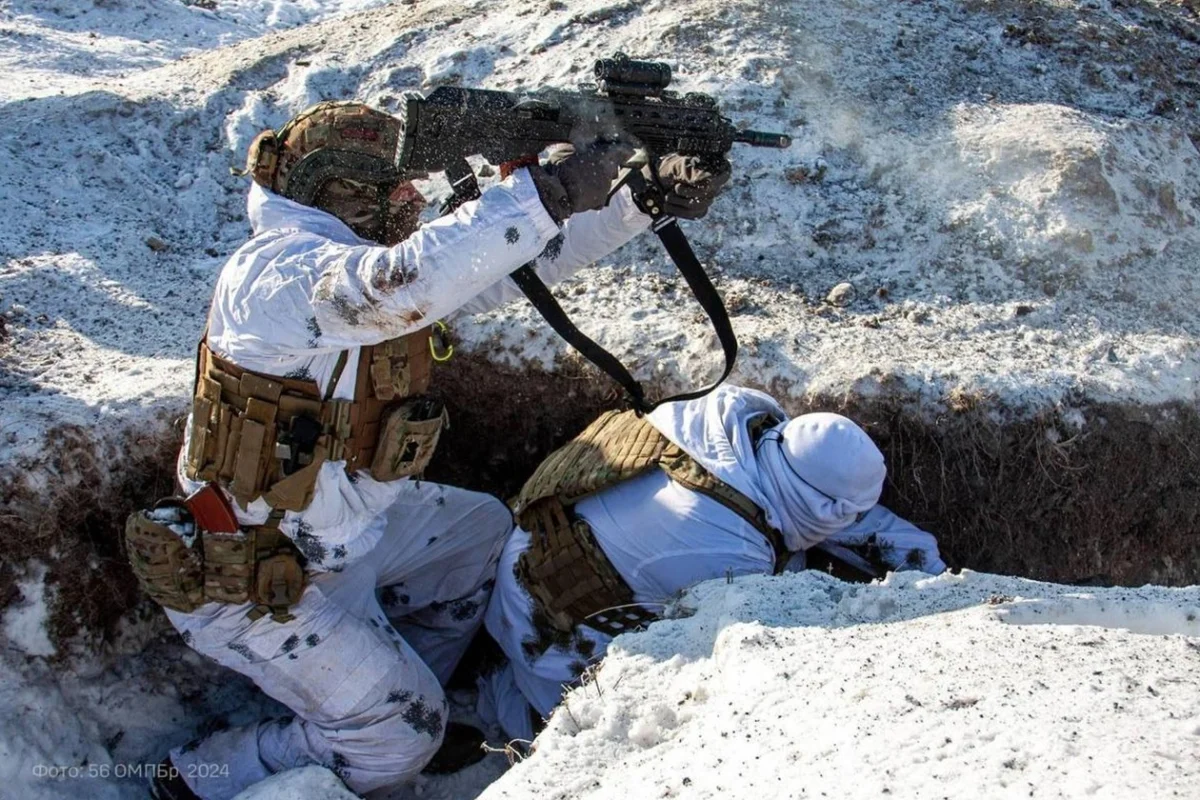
{"x":763,"y":139}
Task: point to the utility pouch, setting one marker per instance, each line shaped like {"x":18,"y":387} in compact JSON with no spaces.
{"x":228,"y":566}
{"x":166,"y":560}
{"x":408,"y":439}
{"x":278,"y":584}
{"x":278,"y":572}
{"x":391,"y":373}
{"x":182,"y":564}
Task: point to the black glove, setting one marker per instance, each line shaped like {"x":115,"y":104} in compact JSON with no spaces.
{"x":691,"y":183}
{"x":573,"y":181}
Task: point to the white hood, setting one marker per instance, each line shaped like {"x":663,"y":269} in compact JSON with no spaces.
{"x":812,"y":476}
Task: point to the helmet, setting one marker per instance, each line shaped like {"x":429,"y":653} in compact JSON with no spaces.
{"x":345,"y":140}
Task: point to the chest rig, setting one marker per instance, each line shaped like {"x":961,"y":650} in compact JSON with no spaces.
{"x":565,"y":571}
{"x":259,"y":435}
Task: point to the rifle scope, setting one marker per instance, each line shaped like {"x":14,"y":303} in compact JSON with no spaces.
{"x":622,"y":71}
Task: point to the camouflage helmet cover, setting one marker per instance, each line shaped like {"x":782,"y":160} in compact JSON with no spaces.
{"x":330,"y":140}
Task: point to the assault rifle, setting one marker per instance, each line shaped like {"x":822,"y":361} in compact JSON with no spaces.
{"x":629,"y":102}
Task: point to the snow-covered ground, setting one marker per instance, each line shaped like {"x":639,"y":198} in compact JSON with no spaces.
{"x":797,"y":686}
{"x":94,"y":728}
{"x":54,"y":45}
{"x":97,"y":724}
{"x":1008,"y":186}
{"x":958,"y":686}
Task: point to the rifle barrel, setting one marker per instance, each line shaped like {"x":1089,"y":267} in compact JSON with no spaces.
{"x":763,"y":139}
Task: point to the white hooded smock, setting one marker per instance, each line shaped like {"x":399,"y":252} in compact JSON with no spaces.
{"x":305,"y":288}
{"x":817,"y":477}
{"x":400,"y":572}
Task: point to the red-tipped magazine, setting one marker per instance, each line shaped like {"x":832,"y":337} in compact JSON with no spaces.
{"x":211,"y":510}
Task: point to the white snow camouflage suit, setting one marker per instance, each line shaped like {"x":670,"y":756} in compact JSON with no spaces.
{"x":663,"y":537}
{"x":399,"y":572}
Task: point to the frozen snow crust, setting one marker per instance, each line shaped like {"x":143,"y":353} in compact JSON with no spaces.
{"x":98,"y":729}
{"x":796,"y":686}
{"x":957,"y":686}
{"x":1010,"y":190}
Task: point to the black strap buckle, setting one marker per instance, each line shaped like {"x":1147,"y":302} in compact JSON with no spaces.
{"x":297,"y":444}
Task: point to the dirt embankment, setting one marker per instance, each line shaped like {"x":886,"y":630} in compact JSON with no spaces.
{"x":1010,"y":184}
{"x":1113,"y":501}
{"x":71,"y":522}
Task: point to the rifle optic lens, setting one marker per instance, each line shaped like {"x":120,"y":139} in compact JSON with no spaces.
{"x":627,"y":71}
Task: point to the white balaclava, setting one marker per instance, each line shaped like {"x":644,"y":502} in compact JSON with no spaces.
{"x":818,"y":473}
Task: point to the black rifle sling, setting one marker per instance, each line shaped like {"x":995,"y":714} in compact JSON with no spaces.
{"x":462,"y":179}
{"x":689,"y":267}
{"x":539,"y":295}
{"x":681,"y":253}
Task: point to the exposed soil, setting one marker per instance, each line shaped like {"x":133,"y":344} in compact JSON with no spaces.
{"x":75,"y":529}
{"x":1008,"y":186}
{"x":1113,"y":503}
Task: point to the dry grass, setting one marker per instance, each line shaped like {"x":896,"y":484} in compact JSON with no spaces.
{"x":1118,"y":501}
{"x":74,"y":526}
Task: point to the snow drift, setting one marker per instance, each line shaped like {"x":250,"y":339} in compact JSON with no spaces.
{"x":1013,"y":215}
{"x":795,"y":686}
{"x":955,"y":686}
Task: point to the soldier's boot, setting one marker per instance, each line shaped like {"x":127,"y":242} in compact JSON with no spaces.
{"x":168,"y":784}
{"x":461,"y":747}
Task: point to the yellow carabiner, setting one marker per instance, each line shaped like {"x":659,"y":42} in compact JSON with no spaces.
{"x":439,"y":333}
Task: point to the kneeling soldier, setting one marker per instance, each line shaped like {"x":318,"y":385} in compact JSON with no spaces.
{"x":343,"y":589}
{"x":617,"y":522}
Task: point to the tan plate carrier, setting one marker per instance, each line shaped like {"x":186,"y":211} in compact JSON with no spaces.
{"x":241,"y":421}
{"x":565,"y":570}
{"x":243,"y":437}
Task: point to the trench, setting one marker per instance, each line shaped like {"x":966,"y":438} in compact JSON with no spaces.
{"x":1114,"y":502}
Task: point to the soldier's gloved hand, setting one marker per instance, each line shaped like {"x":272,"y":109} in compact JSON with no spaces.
{"x":691,"y":183}
{"x":572,"y":181}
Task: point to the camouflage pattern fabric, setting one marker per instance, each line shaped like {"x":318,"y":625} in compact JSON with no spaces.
{"x":565,"y":570}
{"x":167,"y":569}
{"x":257,"y":564}
{"x":329,"y":140}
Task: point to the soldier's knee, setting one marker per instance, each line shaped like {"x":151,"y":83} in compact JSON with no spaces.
{"x":423,"y":722}
{"x":396,"y":745}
